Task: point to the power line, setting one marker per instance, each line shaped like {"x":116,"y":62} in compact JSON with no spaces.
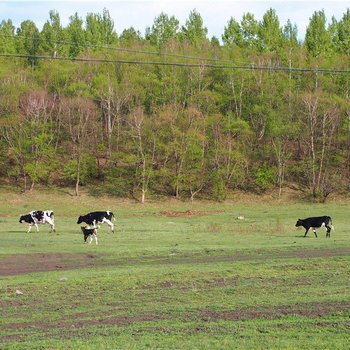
{"x":180,"y":64}
{"x":121,"y":49}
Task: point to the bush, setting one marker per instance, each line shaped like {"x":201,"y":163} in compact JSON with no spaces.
{"x":264,"y":177}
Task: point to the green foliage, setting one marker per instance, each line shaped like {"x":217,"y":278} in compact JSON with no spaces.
{"x":233,"y":34}
{"x":183,"y":130}
{"x":99,"y":29}
{"x":29,"y":40}
{"x":163,"y":30}
{"x":75,"y":35}
{"x":53,"y":35}
{"x":7,"y":37}
{"x":317,"y":38}
{"x":88,"y":170}
{"x":270,"y":32}
{"x":194,"y":31}
{"x":341,"y":37}
{"x":263,"y":177}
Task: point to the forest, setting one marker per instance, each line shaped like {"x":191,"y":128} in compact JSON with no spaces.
{"x":173,"y":113}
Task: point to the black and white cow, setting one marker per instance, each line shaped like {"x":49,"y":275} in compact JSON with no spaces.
{"x":36,"y":217}
{"x":89,"y":232}
{"x":97,"y":217}
{"x":316,"y":222}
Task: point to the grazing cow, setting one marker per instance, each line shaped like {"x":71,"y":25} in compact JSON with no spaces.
{"x":89,"y":232}
{"x":97,"y":217}
{"x":316,"y":222}
{"x":36,"y":217}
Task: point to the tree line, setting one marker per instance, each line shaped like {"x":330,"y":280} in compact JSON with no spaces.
{"x":174,"y":113}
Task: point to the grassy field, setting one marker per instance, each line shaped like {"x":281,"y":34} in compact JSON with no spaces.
{"x":174,"y":276}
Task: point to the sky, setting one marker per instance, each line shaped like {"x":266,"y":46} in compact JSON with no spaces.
{"x":140,"y":14}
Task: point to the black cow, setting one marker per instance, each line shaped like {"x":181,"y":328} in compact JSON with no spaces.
{"x":97,"y":217}
{"x":316,"y":222}
{"x":36,"y":217}
{"x":89,"y":232}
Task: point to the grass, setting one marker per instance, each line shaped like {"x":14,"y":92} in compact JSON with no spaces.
{"x":200,"y":281}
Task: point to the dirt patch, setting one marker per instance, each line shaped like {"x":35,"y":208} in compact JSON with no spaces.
{"x":120,"y":320}
{"x":30,"y":263}
{"x":175,"y":214}
{"x":79,"y":321}
{"x":308,"y":310}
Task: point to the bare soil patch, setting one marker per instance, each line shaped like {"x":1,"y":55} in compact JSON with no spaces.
{"x":43,"y":262}
{"x":308,"y":310}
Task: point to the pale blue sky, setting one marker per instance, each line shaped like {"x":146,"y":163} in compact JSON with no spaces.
{"x":140,"y":14}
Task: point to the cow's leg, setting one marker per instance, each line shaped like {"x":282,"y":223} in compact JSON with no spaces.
{"x":313,"y":229}
{"x":307,"y":230}
{"x":29,"y":228}
{"x":328,"y":234}
{"x":109,"y":223}
{"x":90,"y":239}
{"x":51,"y":223}
{"x":37,"y":227}
{"x":95,"y":238}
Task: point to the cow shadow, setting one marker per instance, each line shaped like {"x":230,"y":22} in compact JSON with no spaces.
{"x":302,"y":236}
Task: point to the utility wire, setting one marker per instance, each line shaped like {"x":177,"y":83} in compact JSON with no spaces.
{"x":107,"y":47}
{"x":179,"y":64}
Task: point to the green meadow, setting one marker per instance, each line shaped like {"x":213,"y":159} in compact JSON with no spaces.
{"x":174,"y":275}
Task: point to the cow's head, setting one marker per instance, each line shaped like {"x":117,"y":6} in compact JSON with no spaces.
{"x":21,"y":219}
{"x":80,"y":219}
{"x":299,"y":223}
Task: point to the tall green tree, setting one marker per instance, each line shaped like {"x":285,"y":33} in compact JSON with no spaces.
{"x":290,"y":34}
{"x":28,"y":42}
{"x":75,"y":35}
{"x":194,"y":30}
{"x":7,"y":37}
{"x":317,"y":38}
{"x":270,"y":32}
{"x":130,"y":36}
{"x":232,"y":34}
{"x":99,"y":29}
{"x":53,"y":39}
{"x":343,"y":34}
{"x":162,"y":30}
{"x":250,"y":27}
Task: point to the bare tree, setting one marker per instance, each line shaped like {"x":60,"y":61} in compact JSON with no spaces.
{"x":16,"y":138}
{"x":78,"y":117}
{"x":112,"y":102}
{"x":37,"y":108}
{"x":322,"y":121}
{"x":137,"y":121}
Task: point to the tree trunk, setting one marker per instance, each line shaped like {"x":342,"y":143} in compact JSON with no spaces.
{"x":78,"y":178}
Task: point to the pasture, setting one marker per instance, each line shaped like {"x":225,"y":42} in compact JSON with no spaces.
{"x":174,"y":275}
